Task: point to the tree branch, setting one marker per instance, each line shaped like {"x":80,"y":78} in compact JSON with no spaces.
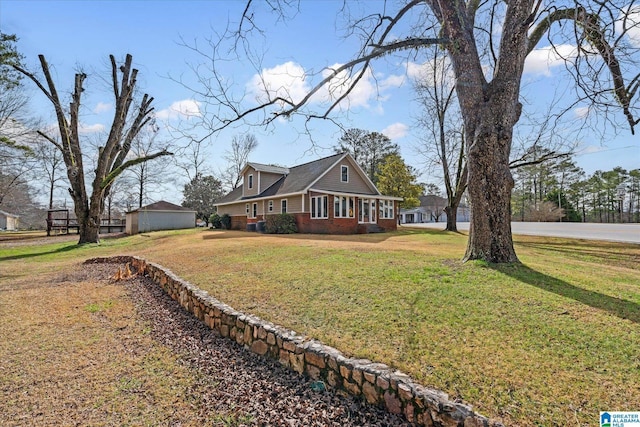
{"x":117,"y":171}
{"x":594,"y":34}
{"x":51,"y":140}
{"x":518,"y":163}
{"x":411,"y":43}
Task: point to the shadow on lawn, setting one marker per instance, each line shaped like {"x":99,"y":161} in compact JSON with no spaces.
{"x":62,"y":249}
{"x":626,"y":253}
{"x":616,"y":306}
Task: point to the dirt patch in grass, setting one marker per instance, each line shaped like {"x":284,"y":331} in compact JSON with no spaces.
{"x":83,"y":349}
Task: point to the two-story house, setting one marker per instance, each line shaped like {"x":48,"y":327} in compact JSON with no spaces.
{"x":329,"y":195}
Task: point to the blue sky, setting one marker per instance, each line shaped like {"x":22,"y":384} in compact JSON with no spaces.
{"x":74,"y":34}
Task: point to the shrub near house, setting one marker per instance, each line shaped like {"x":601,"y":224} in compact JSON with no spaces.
{"x":329,"y":195}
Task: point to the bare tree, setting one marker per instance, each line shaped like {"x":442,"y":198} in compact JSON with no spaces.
{"x":17,"y":156}
{"x":143,"y":176}
{"x":112,"y":156}
{"x":241,"y":148}
{"x":51,"y":165}
{"x":16,"y":153}
{"x":488,"y":67}
{"x":444,"y":146}
{"x":191,"y":157}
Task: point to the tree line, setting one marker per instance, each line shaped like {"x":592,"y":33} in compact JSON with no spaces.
{"x":559,"y":190}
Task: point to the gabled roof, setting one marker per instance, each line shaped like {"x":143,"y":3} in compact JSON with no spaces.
{"x":266,"y":168}
{"x":163,"y":206}
{"x":233,"y":196}
{"x":432,"y":200}
{"x":294,"y":180}
{"x":302,"y":176}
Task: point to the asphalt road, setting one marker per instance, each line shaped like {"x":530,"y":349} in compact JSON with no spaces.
{"x":628,"y":233}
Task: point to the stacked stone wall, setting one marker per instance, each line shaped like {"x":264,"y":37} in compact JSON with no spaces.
{"x":377,"y":383}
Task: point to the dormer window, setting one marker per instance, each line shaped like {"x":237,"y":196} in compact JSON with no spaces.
{"x":250,"y":181}
{"x":344,"y":173}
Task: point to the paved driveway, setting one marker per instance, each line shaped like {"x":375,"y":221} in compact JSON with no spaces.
{"x":629,"y":233}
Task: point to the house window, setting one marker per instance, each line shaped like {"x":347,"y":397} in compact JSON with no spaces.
{"x":270,"y":206}
{"x":250,"y":181}
{"x":246,"y":208}
{"x":344,"y":173}
{"x":386,"y":209}
{"x":255,"y":210}
{"x":283,"y":206}
{"x":343,"y":207}
{"x":320,"y":207}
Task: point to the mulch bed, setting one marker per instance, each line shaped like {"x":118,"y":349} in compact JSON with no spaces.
{"x":250,"y":389}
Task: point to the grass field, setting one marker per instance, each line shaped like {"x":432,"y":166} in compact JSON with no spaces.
{"x":551,"y":341}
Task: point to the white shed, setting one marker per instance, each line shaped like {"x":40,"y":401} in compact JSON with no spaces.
{"x":8,"y":221}
{"x":159,"y":216}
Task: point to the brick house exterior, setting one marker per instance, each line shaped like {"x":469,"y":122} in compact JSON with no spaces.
{"x":331,"y":195}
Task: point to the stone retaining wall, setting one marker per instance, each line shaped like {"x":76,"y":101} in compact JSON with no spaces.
{"x":378,"y":383}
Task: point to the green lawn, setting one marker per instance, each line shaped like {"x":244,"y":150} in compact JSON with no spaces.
{"x":551,"y":341}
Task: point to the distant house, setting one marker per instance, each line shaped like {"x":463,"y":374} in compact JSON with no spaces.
{"x":431,"y":209}
{"x":330,"y":195}
{"x":9,"y":222}
{"x":159,"y":216}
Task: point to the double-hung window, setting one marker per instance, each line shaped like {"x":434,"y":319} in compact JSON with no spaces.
{"x":320,"y":207}
{"x":283,"y":206}
{"x":250,"y":181}
{"x":344,"y":173}
{"x":270,"y":206}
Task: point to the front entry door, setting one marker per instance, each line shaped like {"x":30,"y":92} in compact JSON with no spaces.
{"x":367,"y":211}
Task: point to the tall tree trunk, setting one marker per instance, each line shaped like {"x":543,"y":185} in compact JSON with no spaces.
{"x":140,"y":190}
{"x":452,"y":217}
{"x":490,"y":110}
{"x":489,"y":186}
{"x":89,"y":227}
{"x":89,"y":231}
{"x":51,"y":189}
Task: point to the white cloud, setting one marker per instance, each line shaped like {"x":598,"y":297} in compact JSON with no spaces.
{"x":541,"y":61}
{"x":359,"y":96}
{"x":395,"y":130}
{"x":590,"y":149}
{"x":632,"y":25}
{"x":394,"y":81}
{"x":424,"y":72}
{"x":419,"y":71}
{"x":287,"y":80}
{"x":102,"y":107}
{"x":581,"y":112}
{"x":291,"y":82}
{"x":94,"y":128}
{"x":186,"y":108}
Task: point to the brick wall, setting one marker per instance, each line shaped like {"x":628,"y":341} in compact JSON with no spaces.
{"x":239,"y":222}
{"x":377,"y":383}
